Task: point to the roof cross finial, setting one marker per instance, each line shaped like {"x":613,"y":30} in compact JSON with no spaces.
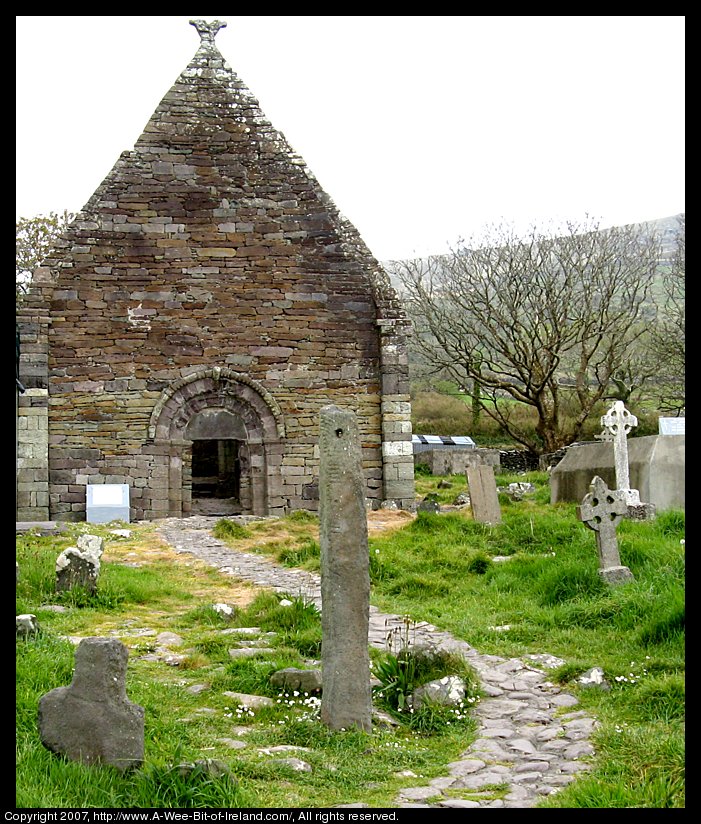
{"x":207,"y":31}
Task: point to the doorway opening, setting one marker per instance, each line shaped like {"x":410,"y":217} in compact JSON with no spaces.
{"x":216,"y":477}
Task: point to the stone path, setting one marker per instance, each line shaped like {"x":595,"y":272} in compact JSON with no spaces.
{"x":531,"y":736}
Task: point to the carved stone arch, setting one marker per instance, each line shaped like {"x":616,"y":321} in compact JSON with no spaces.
{"x":245,"y":407}
{"x":219,"y":380}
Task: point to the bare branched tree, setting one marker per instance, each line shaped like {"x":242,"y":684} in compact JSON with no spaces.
{"x":547,"y":319}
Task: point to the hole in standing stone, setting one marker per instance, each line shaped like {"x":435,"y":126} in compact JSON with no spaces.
{"x":339,"y":432}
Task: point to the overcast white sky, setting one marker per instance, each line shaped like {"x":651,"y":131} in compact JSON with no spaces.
{"x":420,"y":128}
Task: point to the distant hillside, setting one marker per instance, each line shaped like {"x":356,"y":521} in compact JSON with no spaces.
{"x":665,"y":226}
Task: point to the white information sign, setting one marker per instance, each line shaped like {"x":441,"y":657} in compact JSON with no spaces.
{"x":106,"y":502}
{"x":106,"y":494}
{"x":672,"y":426}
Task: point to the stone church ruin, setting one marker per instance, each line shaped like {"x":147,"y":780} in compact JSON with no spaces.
{"x":188,"y":327}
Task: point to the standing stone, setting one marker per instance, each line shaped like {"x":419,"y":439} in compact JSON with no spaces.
{"x":76,"y":568}
{"x":602,"y":510}
{"x":92,"y":720}
{"x":483,"y":494}
{"x":345,"y":575}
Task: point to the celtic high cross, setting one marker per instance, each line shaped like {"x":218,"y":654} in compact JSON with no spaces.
{"x":618,"y":422}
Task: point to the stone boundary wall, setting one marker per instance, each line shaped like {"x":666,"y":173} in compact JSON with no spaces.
{"x":517,"y":460}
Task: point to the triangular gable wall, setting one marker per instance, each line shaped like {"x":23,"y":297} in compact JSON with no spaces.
{"x":208,"y":250}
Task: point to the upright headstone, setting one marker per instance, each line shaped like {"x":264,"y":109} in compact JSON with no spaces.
{"x":618,"y":422}
{"x":602,"y":510}
{"x":484,"y":498}
{"x":345,"y":574}
{"x":92,"y":720}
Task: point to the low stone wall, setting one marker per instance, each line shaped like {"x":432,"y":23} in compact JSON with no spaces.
{"x":455,"y":461}
{"x":517,"y":460}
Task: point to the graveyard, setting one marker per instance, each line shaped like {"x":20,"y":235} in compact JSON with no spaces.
{"x":237,"y":584}
{"x":220,"y":733}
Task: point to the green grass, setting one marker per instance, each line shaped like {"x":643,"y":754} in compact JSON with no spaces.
{"x":549,"y":593}
{"x":185,"y":728}
{"x":444,"y":569}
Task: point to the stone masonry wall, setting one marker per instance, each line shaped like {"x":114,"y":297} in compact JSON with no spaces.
{"x":33,"y":415}
{"x":209,"y":246}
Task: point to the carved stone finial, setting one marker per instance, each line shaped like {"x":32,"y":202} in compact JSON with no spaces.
{"x":207,"y":31}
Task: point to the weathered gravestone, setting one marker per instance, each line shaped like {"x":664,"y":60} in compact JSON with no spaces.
{"x":345,"y":574}
{"x":79,"y":566}
{"x":484,"y":498}
{"x":76,"y":569}
{"x":617,"y":423}
{"x":92,"y":720}
{"x":602,"y":510}
{"x":429,"y":504}
{"x":91,"y":544}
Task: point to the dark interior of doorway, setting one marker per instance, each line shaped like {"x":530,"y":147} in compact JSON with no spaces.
{"x":216,"y":477}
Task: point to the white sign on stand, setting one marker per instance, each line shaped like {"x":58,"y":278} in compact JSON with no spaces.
{"x":106,"y":502}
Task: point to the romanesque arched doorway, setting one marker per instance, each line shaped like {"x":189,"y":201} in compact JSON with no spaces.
{"x":220,"y":430}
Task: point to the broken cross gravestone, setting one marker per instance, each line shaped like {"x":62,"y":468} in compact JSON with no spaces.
{"x":601,"y":510}
{"x":345,"y":574}
{"x":92,"y":720}
{"x":80,"y":566}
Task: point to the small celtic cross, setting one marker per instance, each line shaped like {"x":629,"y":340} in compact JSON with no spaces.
{"x":602,"y":510}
